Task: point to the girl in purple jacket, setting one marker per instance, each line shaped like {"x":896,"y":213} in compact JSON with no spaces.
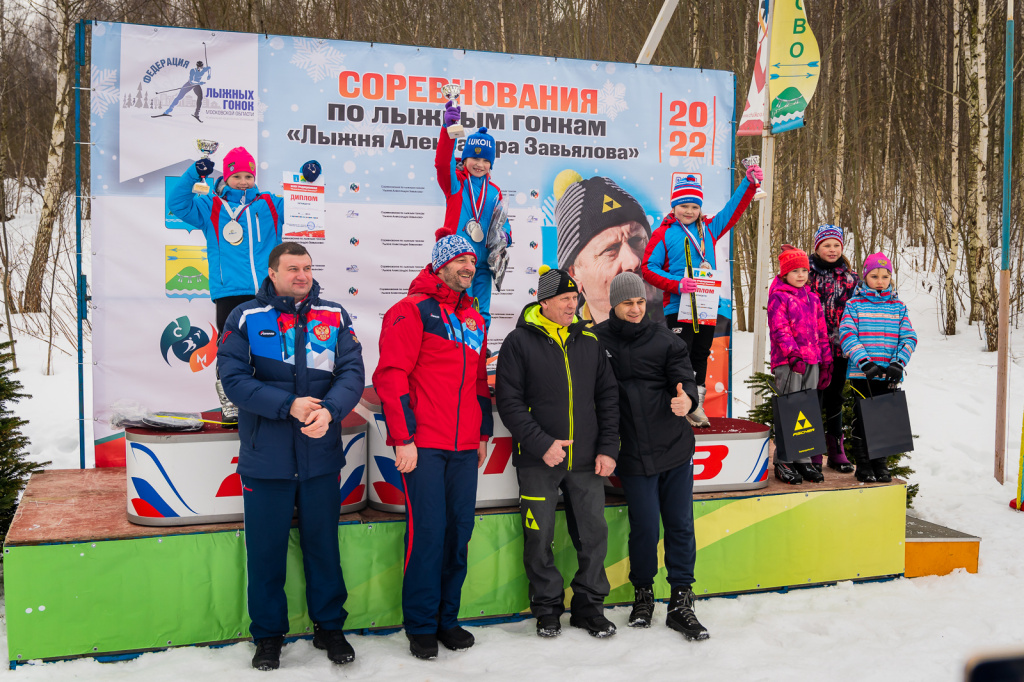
{"x":801,"y":357}
{"x":833,"y":279}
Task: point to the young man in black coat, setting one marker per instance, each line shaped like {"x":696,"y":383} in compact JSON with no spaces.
{"x":656,"y":391}
{"x":557,"y":395}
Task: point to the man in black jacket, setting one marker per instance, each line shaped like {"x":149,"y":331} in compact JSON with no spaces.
{"x":557,"y":395}
{"x":656,"y":391}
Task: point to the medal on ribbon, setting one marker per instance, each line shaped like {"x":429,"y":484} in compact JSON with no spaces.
{"x":473,"y":227}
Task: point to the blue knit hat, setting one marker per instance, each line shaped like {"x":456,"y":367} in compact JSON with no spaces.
{"x":448,"y":249}
{"x":687,"y":190}
{"x":479,"y":145}
{"x":827,"y":232}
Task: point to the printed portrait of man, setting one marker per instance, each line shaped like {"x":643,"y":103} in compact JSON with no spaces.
{"x":602,"y":231}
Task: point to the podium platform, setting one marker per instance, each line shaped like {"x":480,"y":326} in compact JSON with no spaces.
{"x":80,"y":580}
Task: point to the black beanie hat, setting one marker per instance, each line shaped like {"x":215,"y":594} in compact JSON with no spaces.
{"x":589,"y":207}
{"x":554,"y":283}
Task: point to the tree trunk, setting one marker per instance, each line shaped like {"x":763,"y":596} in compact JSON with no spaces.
{"x":33,"y":298}
{"x":980,"y":238}
{"x":954,"y":232}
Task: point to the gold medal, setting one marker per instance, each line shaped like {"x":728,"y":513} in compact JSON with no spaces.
{"x":233,"y":232}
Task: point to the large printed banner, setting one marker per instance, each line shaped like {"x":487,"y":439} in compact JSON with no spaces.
{"x":607,"y":137}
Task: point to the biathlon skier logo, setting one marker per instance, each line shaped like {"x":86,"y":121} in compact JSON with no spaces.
{"x":197,"y":76}
{"x":189,"y":344}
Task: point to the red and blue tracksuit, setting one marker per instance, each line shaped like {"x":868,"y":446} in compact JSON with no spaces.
{"x":234,"y":270}
{"x":664,"y":263}
{"x":274,"y":350}
{"x":460,"y":189}
{"x":432,"y":383}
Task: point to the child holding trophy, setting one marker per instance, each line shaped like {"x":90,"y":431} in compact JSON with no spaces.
{"x":685,"y":241}
{"x":241,"y":224}
{"x":474,"y":207}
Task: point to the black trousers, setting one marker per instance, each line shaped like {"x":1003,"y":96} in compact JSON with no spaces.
{"x":698,"y":342}
{"x":831,"y":398}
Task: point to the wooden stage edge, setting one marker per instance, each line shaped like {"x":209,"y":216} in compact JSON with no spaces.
{"x":77,"y":505}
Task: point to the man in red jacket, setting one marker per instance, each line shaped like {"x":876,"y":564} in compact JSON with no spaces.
{"x":432,"y":382}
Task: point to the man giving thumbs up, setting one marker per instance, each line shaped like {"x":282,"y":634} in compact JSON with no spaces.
{"x":656,"y":387}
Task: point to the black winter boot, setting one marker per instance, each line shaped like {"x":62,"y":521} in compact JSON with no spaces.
{"x":865,"y":473}
{"x":681,"y":617}
{"x":784,"y":472}
{"x":808,"y":472}
{"x":334,"y":642}
{"x":643,"y":606}
{"x":457,"y":638}
{"x":423,"y":646}
{"x":881,"y":470}
{"x":268,"y":653}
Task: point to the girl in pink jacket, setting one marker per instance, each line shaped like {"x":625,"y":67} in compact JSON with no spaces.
{"x":801,"y":357}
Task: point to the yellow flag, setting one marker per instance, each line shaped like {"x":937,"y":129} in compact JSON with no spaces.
{"x":794,"y":65}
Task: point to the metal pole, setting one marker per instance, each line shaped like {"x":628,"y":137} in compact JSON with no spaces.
{"x":657,"y":31}
{"x":1003,"y":372}
{"x":764,"y":226}
{"x":80,"y":281}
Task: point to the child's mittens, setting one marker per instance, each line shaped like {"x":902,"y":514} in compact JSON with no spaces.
{"x":755,"y":174}
{"x":871,"y":370}
{"x":311,"y":171}
{"x":894,"y":372}
{"x":825,"y":378}
{"x":687,"y":285}
{"x":204,"y":167}
{"x":797,"y":365}
{"x":452,"y":114}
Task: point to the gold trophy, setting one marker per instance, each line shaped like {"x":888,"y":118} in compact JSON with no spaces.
{"x":755,"y":161}
{"x":451,"y":91}
{"x":206,"y":147}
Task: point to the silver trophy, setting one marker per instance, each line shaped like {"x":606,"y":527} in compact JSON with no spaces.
{"x":451,"y":91}
{"x":755,"y":161}
{"x":206,"y":147}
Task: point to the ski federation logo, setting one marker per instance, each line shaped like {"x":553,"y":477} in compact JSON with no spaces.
{"x":534,"y":245}
{"x":353,"y":241}
{"x":186,"y":272}
{"x":179,"y":86}
{"x":354,"y":187}
{"x":353,"y":291}
{"x":189,"y":344}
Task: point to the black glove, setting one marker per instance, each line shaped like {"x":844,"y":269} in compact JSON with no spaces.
{"x":311,"y":170}
{"x":204,"y":167}
{"x":894,"y":372}
{"x":871,"y":370}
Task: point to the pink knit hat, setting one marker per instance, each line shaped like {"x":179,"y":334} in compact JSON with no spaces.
{"x":791,"y":259}
{"x":238,"y":161}
{"x":876,"y":261}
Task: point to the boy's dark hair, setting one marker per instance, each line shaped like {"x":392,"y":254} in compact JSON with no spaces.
{"x":283,"y":249}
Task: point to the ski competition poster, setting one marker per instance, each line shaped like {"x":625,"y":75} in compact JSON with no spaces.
{"x":605,"y":136}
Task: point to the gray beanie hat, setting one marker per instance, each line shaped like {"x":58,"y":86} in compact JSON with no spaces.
{"x":626,"y":285}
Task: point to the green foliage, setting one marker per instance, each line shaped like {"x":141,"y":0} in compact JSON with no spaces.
{"x":764,"y":385}
{"x":14,"y":468}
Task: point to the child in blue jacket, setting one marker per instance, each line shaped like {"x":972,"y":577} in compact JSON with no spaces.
{"x":686,"y":240}
{"x":878,"y":339}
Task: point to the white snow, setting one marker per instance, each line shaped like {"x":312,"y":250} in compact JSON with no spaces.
{"x":919,"y":629}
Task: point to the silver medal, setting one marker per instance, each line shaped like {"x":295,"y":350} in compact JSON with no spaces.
{"x":475,"y":231}
{"x":705,"y":265}
{"x":233,"y":232}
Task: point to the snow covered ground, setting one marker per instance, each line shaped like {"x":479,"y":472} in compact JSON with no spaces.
{"x":921,"y":629}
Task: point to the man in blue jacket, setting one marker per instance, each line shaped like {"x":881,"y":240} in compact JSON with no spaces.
{"x":294,"y":366}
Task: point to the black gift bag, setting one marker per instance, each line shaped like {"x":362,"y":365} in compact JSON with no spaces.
{"x":885,"y":424}
{"x":799,"y":432}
